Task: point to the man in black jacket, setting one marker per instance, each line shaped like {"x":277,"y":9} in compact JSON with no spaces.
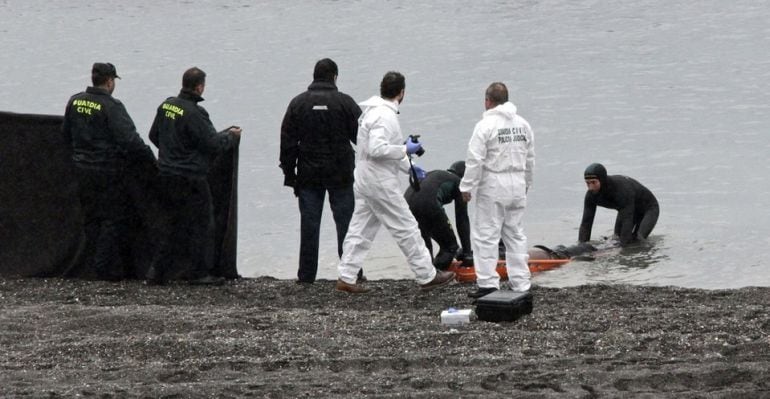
{"x":439,"y":188}
{"x":187,"y":141}
{"x":104,"y":141}
{"x":636,"y":205}
{"x":317,"y":157}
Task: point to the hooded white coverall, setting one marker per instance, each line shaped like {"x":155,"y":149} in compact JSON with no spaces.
{"x":498,"y":165}
{"x":381,"y":160}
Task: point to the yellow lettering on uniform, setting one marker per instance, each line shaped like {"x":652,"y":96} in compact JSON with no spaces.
{"x":172,"y":108}
{"x":85,"y":106}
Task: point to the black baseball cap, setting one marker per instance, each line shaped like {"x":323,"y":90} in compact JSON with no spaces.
{"x":104,"y":69}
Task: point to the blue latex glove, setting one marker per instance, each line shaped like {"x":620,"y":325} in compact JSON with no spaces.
{"x":411,"y":147}
{"x":420,"y":172}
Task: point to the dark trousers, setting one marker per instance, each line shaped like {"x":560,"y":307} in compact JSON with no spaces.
{"x":106,"y":209}
{"x":311,"y":202}
{"x":187,"y":237}
{"x":435,"y":226}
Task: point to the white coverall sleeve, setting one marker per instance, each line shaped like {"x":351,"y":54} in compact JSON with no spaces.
{"x":530,"y":167}
{"x":381,"y":146}
{"x":474,"y":159}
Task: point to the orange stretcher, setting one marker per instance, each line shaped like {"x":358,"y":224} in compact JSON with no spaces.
{"x":465,"y":274}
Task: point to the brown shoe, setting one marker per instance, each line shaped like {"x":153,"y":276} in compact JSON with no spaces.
{"x":442,"y":278}
{"x":351,"y":288}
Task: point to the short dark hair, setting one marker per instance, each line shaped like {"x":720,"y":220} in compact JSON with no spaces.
{"x":497,"y":93}
{"x":193,"y":77}
{"x":325,"y":69}
{"x":392,"y":84}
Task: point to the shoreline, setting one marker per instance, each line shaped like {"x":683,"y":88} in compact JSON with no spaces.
{"x":264,"y":337}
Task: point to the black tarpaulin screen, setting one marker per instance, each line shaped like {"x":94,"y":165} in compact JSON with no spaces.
{"x":41,"y":230}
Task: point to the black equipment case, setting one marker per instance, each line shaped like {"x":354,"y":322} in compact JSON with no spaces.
{"x":503,"y":305}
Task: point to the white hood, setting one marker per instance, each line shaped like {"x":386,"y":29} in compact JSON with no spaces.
{"x":506,"y":110}
{"x":372,"y":101}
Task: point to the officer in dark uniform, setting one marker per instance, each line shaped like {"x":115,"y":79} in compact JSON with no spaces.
{"x":440,"y":187}
{"x":636,"y":205}
{"x":317,"y":157}
{"x":187,"y":141}
{"x":103,"y":140}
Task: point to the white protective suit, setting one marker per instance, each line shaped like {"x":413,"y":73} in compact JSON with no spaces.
{"x":381,"y":162}
{"x":498,"y":165}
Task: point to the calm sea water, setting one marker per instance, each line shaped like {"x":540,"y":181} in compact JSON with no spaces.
{"x":670,"y":93}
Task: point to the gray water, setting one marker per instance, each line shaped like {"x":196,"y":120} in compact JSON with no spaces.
{"x":670,"y":93}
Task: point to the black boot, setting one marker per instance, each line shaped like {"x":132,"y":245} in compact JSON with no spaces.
{"x":481,"y":292}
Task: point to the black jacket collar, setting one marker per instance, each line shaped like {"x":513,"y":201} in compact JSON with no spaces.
{"x":97,"y":90}
{"x":188,"y":94}
{"x":319,"y":84}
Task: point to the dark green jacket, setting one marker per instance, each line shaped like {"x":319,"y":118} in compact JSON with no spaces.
{"x":100,"y":132}
{"x":185,"y":137}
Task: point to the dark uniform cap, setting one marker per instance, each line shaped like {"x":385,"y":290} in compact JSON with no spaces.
{"x":105,"y":69}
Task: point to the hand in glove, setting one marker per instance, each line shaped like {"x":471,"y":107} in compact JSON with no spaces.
{"x":419,"y":172}
{"x":464,"y":256}
{"x":467,"y":260}
{"x":412,"y":147}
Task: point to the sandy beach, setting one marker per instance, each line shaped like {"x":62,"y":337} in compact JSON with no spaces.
{"x":273,"y":338}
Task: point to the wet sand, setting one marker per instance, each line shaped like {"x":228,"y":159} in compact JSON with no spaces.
{"x":273,"y":338}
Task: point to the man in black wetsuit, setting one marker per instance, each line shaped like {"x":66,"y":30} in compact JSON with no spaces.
{"x":637,"y":207}
{"x":440,"y":187}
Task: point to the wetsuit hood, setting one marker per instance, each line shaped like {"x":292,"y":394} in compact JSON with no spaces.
{"x":458,"y":168}
{"x":596,"y":171}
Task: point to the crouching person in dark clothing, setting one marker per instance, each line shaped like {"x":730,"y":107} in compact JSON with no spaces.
{"x":439,"y":188}
{"x":636,"y":205}
{"x":187,"y":141}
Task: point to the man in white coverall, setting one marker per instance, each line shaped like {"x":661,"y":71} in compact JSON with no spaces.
{"x":381,"y":161}
{"x":498,"y":165}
